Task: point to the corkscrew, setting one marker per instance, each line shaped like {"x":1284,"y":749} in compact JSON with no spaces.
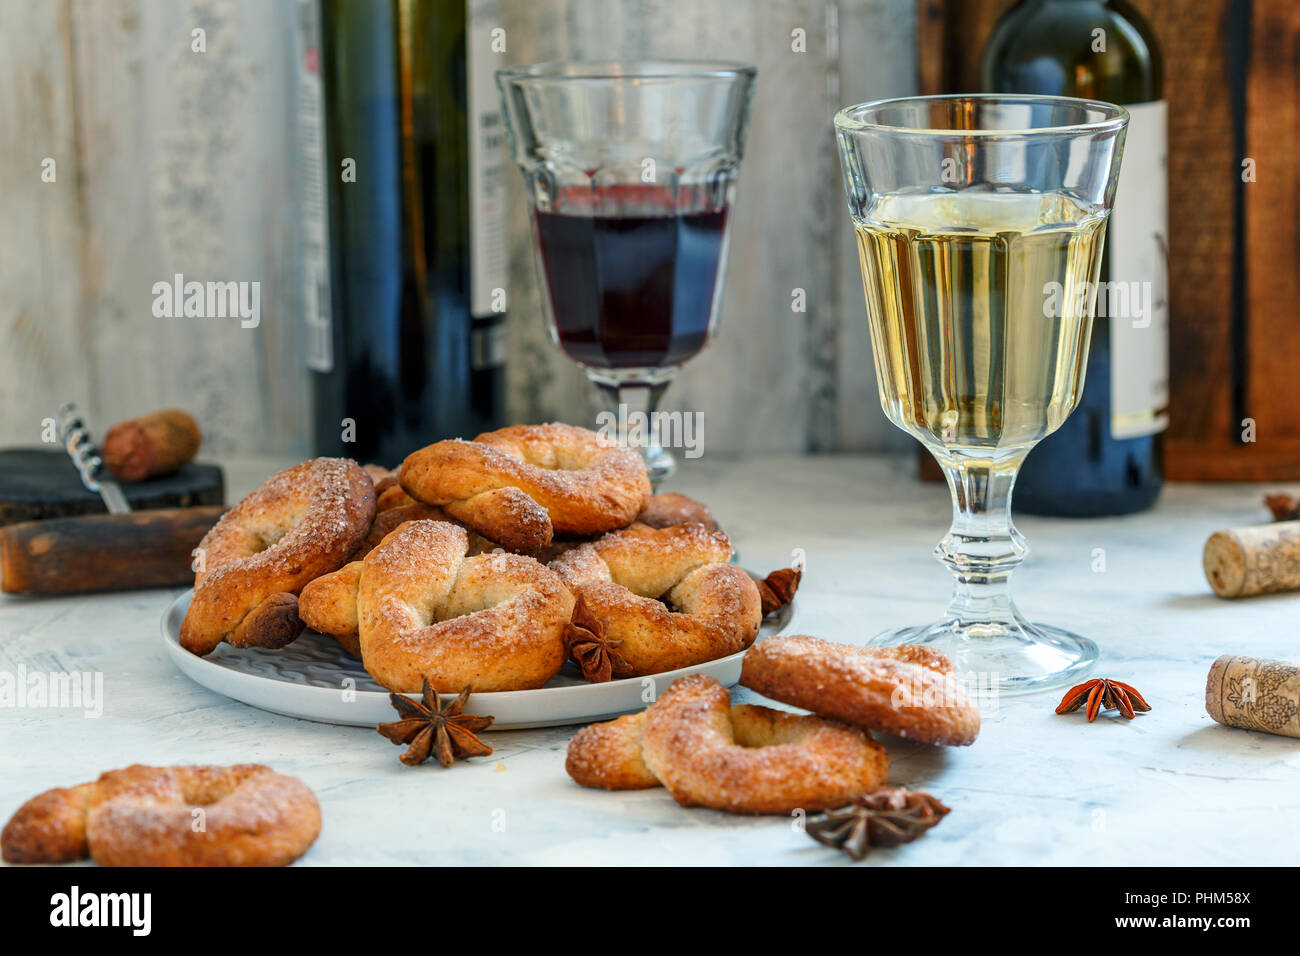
{"x":76,"y":439}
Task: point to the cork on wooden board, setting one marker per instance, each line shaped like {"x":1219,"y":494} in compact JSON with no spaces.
{"x":156,"y":444}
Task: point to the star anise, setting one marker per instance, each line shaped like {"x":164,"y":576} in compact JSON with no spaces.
{"x":1102,"y":694}
{"x":589,"y":644}
{"x":1284,"y":507}
{"x":887,"y":816}
{"x":433,"y":729}
{"x":777,"y":589}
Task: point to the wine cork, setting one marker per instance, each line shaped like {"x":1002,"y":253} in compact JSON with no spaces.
{"x":1254,"y":694}
{"x":1240,"y":562}
{"x":151,"y":445}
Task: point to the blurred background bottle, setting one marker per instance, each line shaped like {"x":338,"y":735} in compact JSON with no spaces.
{"x":1107,"y":458}
{"x":403,"y":154}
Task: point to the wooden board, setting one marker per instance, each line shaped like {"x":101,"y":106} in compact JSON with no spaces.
{"x":144,"y":549}
{"x":41,"y":483}
{"x":1232,"y":81}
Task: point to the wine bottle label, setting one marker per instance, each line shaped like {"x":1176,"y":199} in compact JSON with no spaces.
{"x":317,"y":307}
{"x":486,"y":160}
{"x":1137,"y":301}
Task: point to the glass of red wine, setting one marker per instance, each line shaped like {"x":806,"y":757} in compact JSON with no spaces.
{"x":630,"y":168}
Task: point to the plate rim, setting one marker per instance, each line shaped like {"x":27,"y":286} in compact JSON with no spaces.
{"x":311,"y":696}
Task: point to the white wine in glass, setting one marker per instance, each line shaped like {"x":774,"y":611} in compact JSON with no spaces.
{"x":973,"y":358}
{"x":980,"y":224}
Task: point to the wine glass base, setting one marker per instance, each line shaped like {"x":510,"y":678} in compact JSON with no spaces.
{"x":660,"y":465}
{"x":1014,"y":657}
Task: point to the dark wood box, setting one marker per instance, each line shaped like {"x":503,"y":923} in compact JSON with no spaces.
{"x":1232,"y":81}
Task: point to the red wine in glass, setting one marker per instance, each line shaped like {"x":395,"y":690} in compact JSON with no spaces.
{"x":633,"y":273}
{"x":632,"y":269}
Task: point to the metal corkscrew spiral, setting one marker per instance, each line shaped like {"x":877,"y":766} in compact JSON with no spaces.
{"x":81,"y":449}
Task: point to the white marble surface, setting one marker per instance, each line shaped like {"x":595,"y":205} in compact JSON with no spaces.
{"x":1170,"y":787}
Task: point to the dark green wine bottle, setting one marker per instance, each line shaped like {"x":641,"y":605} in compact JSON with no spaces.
{"x":406,"y":284}
{"x":1107,"y":458}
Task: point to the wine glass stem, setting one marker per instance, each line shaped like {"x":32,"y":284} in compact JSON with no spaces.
{"x":982,"y":547}
{"x":633,"y":408}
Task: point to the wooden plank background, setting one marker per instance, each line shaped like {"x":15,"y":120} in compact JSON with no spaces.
{"x":41,"y":225}
{"x":1234,"y":349}
{"x":167,"y":161}
{"x":170,"y":161}
{"x":1272,"y":221}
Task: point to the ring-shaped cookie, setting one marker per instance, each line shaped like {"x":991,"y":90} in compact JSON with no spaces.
{"x":244,"y":815}
{"x":751,"y":759}
{"x":426,"y":611}
{"x":907,"y":691}
{"x":521,"y":485}
{"x":664,"y":597}
{"x":329,"y":603}
{"x":300,"y":524}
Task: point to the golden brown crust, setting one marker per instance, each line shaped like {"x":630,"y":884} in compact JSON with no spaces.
{"x":667,"y":509}
{"x":749,"y":759}
{"x":48,"y":828}
{"x":272,"y":624}
{"x":393,"y":496}
{"x":907,"y":691}
{"x":387,"y":521}
{"x":626,"y":576}
{"x":559,"y":546}
{"x":662,"y":511}
{"x":244,"y":815}
{"x":351,"y":643}
{"x":562,"y":479}
{"x":329,"y":605}
{"x":608,"y":756}
{"x":508,"y":515}
{"x":300,"y":524}
{"x":426,"y":611}
{"x":382,"y":478}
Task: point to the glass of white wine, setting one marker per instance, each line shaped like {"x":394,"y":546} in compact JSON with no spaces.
{"x":980,"y":223}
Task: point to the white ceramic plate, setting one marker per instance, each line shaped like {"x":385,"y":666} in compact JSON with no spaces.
{"x":314,"y":679}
